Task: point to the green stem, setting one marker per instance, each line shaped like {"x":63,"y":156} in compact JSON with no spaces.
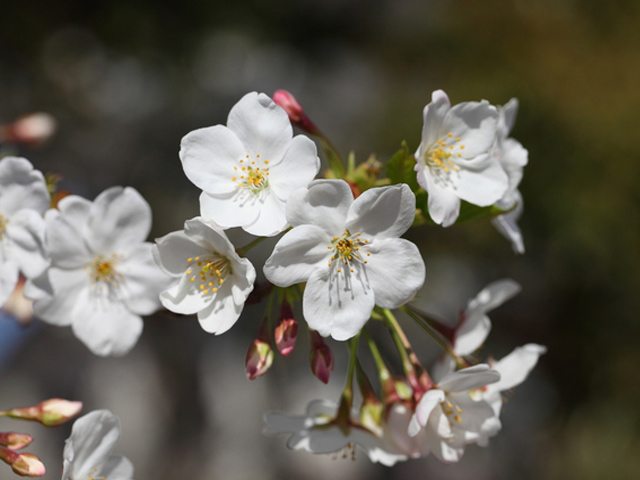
{"x":437,"y":337}
{"x":346,"y":400}
{"x":242,"y":251}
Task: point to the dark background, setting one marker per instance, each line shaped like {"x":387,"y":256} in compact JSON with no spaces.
{"x":126,"y":80}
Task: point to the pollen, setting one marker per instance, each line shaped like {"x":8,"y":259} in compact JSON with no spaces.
{"x":3,"y":225}
{"x":345,"y":250}
{"x":103,"y":271}
{"x":210,"y":274}
{"x":255,"y":176}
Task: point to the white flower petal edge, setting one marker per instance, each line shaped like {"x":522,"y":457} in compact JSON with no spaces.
{"x":350,"y":262}
{"x":87,"y":452}
{"x":513,"y":157}
{"x":210,"y":279}
{"x":99,"y":282}
{"x":248,"y":169}
{"x":314,"y":433}
{"x":23,"y":200}
{"x":453,"y":161}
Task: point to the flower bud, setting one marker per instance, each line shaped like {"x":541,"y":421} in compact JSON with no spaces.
{"x":15,"y":441}
{"x":17,"y":305}
{"x":286,"y":331}
{"x":31,"y":129}
{"x":25,"y":464}
{"x":320,"y":357}
{"x":294,"y":110}
{"x":259,"y":359}
{"x":51,"y":413}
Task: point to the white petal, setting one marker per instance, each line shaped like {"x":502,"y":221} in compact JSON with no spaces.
{"x":93,"y":436}
{"x":221,"y":314}
{"x":230,"y":210}
{"x":120,"y":217}
{"x":425,"y":406}
{"x":297,"y":169}
{"x":210,"y":236}
{"x":65,"y":287}
{"x":515,"y":367}
{"x":475,"y":123}
{"x":65,"y":233}
{"x":172,"y":251}
{"x":109,"y":329}
{"x":243,"y":277}
{"x":337,"y":304}
{"x":433,"y":116}
{"x":21,"y":186}
{"x":143,"y":280}
{"x":444,"y":206}
{"x":8,"y":280}
{"x":508,"y":113}
{"x":469,"y":378}
{"x":208,"y":156}
{"x":324,"y":204}
{"x":384,"y":212}
{"x":184,"y":298}
{"x":472,"y":333}
{"x":26,"y":234}
{"x":507,"y":225}
{"x":395,"y":269}
{"x":493,"y":295}
{"x":116,"y":467}
{"x":297,"y":255}
{"x":481,"y":181}
{"x":261,"y":125}
{"x":271,"y":218}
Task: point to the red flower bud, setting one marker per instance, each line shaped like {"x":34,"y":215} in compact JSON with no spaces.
{"x":320,"y":357}
{"x":259,"y":359}
{"x":286,"y":331}
{"x":294,"y":110}
{"x":15,"y":441}
{"x":25,"y":464}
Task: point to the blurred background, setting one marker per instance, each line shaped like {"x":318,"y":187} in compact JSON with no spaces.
{"x":126,"y":80}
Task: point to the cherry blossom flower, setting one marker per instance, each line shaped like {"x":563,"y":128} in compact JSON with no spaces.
{"x":316,"y":432}
{"x":102,"y":275}
{"x":87,"y":452}
{"x":248,"y":169}
{"x":23,"y":200}
{"x":451,"y":417}
{"x":513,"y":157}
{"x":210,"y":279}
{"x":453,"y":161}
{"x":349,"y":253}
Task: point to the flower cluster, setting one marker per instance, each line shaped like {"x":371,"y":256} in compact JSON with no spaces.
{"x":339,"y":259}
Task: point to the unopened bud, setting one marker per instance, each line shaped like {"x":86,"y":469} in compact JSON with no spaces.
{"x":51,"y":413}
{"x":259,"y":359}
{"x":25,"y":464}
{"x":320,"y":357}
{"x":286,"y":331}
{"x":15,"y":441}
{"x":31,"y":129}
{"x":17,"y":305}
{"x":294,"y":110}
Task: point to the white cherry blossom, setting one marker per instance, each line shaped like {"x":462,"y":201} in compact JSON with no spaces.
{"x":87,"y":452}
{"x":102,"y":275}
{"x":316,"y":433}
{"x":450,"y":415}
{"x":453,"y":161}
{"x":349,"y":253}
{"x":513,"y":157}
{"x":23,"y":200}
{"x":210,"y":279}
{"x":248,"y":168}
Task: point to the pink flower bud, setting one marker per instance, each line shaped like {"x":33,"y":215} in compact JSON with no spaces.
{"x":259,"y":359}
{"x":290,"y":105}
{"x":25,"y":464}
{"x":320,"y":357}
{"x":286,"y":331}
{"x":51,"y":413}
{"x":15,"y":441}
{"x":31,"y":129}
{"x":294,"y":110}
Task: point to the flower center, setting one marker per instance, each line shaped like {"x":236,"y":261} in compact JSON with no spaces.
{"x":103,"y":271}
{"x":252,"y":175}
{"x":3,"y":225}
{"x":346,"y":250}
{"x":440,"y":155}
{"x":453,"y":412}
{"x":93,"y":475}
{"x":208,"y":274}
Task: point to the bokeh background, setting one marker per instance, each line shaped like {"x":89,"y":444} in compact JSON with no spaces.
{"x":126,"y":80}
